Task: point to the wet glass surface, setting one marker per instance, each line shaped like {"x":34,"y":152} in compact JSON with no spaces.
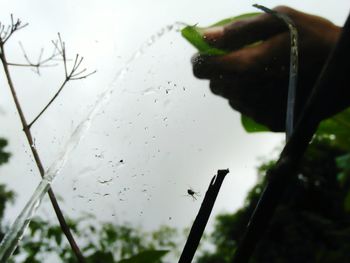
{"x":161,"y":132}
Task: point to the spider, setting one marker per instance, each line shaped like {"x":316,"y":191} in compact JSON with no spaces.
{"x":192,"y":193}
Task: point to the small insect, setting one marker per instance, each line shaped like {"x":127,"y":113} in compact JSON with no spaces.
{"x":192,"y":193}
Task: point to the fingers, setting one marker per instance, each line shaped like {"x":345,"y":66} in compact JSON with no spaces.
{"x":248,"y":31}
{"x":264,"y":101}
{"x":266,"y":59}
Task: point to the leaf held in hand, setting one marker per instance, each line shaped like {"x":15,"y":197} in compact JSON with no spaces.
{"x":194,"y":35}
{"x":251,"y":126}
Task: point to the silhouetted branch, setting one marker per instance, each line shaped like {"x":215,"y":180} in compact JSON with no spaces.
{"x":202,"y":218}
{"x":330,"y":94}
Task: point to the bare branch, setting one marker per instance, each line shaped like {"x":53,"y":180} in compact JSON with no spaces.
{"x":78,"y":64}
{"x":5,"y":34}
{"x":59,"y":51}
{"x":40,"y":62}
{"x":48,"y":104}
{"x":62,"y":50}
{"x":73,"y":74}
{"x":78,"y":73}
{"x":28,"y":65}
{"x":84,"y":76}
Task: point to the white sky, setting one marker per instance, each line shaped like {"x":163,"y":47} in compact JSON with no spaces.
{"x":170,"y":131}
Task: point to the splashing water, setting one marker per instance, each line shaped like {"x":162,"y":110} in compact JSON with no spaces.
{"x":15,"y":233}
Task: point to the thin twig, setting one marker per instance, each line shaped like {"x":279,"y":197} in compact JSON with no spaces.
{"x":15,"y":26}
{"x":31,"y":65}
{"x":40,"y":63}
{"x":73,"y":74}
{"x":64,"y":226}
{"x":47,"y":105}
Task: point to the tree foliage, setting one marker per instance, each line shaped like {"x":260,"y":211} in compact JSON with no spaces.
{"x":103,"y":243}
{"x":312,"y":221}
{"x":5,"y":195}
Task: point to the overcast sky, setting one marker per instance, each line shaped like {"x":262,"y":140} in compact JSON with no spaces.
{"x":169,"y":131}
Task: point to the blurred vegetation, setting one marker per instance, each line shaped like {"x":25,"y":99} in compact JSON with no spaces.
{"x":312,"y":221}
{"x":5,"y":195}
{"x":104,"y":243}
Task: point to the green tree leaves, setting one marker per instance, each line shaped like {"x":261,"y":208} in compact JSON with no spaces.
{"x":149,"y":256}
{"x":4,"y":156}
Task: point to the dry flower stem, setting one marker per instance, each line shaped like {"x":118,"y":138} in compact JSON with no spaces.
{"x":4,"y":36}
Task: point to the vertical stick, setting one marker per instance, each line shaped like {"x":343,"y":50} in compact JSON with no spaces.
{"x":329,"y":87}
{"x":202,"y":217}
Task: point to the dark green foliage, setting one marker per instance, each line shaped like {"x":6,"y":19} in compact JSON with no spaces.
{"x":337,"y":130}
{"x":149,"y":256}
{"x":250,"y":125}
{"x":4,"y":156}
{"x":310,"y":224}
{"x":105,"y":243}
{"x":5,"y":195}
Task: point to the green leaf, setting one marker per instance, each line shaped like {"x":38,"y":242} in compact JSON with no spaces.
{"x":56,"y":233}
{"x":337,"y":130}
{"x":36,"y":225}
{"x":347,"y":202}
{"x":251,"y":126}
{"x":343,"y":163}
{"x":194,"y":35}
{"x":234,"y":18}
{"x":101,"y":257}
{"x":4,"y":156}
{"x":147,"y":256}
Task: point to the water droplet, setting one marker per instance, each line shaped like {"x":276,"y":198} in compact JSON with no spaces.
{"x":148,"y":91}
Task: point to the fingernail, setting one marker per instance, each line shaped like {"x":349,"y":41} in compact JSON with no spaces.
{"x":213,"y":33}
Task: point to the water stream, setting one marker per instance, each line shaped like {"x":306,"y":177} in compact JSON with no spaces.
{"x":16,"y":232}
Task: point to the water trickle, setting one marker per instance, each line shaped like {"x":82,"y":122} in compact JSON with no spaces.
{"x":15,"y":233}
{"x":149,"y":91}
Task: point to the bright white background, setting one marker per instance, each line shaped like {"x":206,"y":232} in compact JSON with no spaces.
{"x":166,"y":126}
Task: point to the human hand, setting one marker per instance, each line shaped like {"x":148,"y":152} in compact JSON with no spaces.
{"x":254,"y":78}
